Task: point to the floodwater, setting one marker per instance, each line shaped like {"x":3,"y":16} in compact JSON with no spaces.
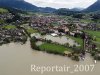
{"x":60,"y":39}
{"x":16,"y":59}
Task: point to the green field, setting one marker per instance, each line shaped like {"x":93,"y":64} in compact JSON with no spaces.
{"x":95,"y":33}
{"x":31,"y":30}
{"x":86,"y":20}
{"x":1,"y":21}
{"x":78,"y":40}
{"x":98,"y":39}
{"x":54,"y":24}
{"x":9,"y":26}
{"x":3,"y":10}
{"x":59,"y":49}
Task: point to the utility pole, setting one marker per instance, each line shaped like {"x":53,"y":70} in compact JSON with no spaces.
{"x":84,"y":45}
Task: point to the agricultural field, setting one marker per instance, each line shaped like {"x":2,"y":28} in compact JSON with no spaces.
{"x":9,"y":26}
{"x":54,"y":48}
{"x":3,"y":10}
{"x":95,"y":34}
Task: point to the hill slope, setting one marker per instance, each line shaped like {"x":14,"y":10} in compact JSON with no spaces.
{"x":22,"y":5}
{"x":94,"y":7}
{"x":19,"y":4}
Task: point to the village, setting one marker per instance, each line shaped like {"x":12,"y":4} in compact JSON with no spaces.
{"x":56,"y":26}
{"x":15,"y":35}
{"x":53,"y":24}
{"x":9,"y":31}
{"x":58,"y":34}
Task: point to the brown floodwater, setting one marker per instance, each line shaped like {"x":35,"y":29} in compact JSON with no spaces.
{"x":60,"y":39}
{"x":16,"y":59}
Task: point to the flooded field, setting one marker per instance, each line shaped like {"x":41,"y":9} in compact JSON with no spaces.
{"x":16,"y":59}
{"x":61,"y":40}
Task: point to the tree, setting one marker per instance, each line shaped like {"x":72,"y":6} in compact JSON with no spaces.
{"x":80,"y":15}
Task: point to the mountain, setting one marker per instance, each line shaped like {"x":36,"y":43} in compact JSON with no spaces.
{"x":47,"y":9}
{"x":64,"y":11}
{"x":22,"y":5}
{"x":76,"y":9}
{"x":18,"y":4}
{"x":94,"y":7}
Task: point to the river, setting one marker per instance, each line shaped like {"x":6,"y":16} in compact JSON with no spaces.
{"x":16,"y":59}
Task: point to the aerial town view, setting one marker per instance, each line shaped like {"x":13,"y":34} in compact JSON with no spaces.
{"x":54,"y":37}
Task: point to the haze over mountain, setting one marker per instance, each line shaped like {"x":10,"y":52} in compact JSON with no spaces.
{"x":94,"y":7}
{"x":62,"y":3}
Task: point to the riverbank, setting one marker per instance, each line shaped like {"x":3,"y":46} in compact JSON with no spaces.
{"x":55,"y":48}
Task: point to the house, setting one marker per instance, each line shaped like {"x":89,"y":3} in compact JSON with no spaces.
{"x":54,"y":34}
{"x":72,"y":33}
